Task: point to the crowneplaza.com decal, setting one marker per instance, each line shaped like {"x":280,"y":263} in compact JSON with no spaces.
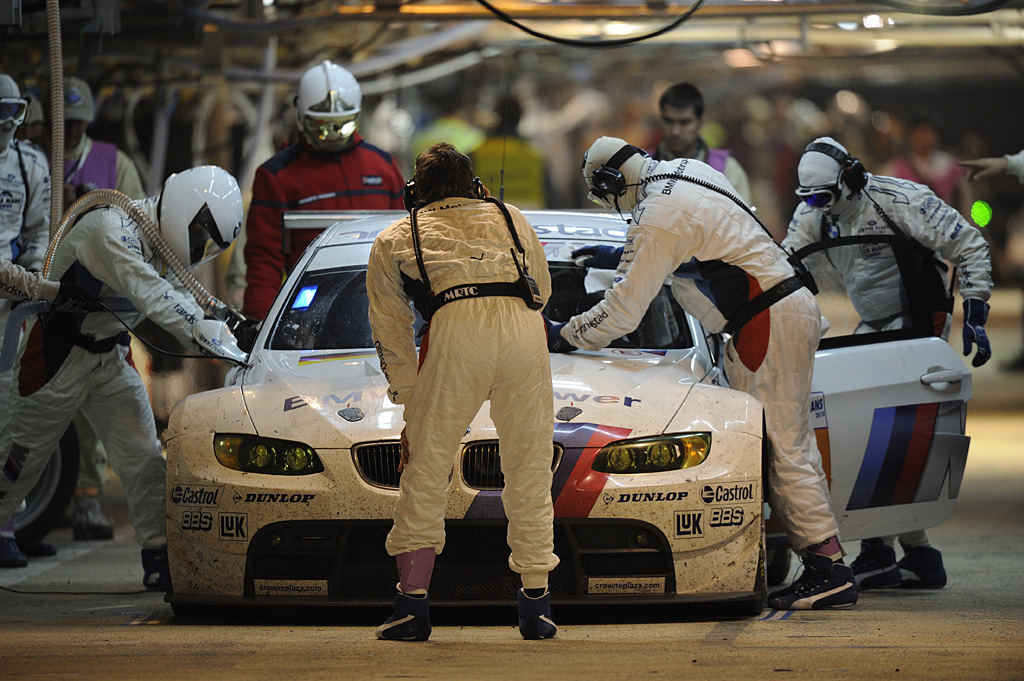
{"x":290,"y":587}
{"x":626,"y":585}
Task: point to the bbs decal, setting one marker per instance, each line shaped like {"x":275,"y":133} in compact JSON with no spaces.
{"x":724,"y":516}
{"x":200,"y":521}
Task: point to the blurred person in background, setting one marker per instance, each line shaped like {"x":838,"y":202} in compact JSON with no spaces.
{"x":1010,"y":164}
{"x":681,"y":115}
{"x":924,"y":162}
{"x":329,"y":167}
{"x":508,"y":161}
{"x":91,"y":164}
{"x":33,"y":131}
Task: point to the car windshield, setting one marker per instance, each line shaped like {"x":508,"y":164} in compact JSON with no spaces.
{"x":328,"y":310}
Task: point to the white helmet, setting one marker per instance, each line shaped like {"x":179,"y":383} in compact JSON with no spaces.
{"x":12,"y":109}
{"x":613,"y":170}
{"x":328,"y":106}
{"x":200,"y":213}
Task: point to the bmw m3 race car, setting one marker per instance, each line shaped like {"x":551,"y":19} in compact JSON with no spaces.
{"x":280,"y":486}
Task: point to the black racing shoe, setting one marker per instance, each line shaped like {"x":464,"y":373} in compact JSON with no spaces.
{"x":535,"y":616}
{"x":37,"y":548}
{"x":89,"y":521}
{"x":10,"y":555}
{"x":921,"y":568}
{"x":157,"y":575}
{"x":410,"y":621}
{"x":875,"y":567}
{"x":824,"y":584}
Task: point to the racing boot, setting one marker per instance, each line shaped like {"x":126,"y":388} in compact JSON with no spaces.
{"x":37,"y":548}
{"x":824,"y":584}
{"x":875,"y":567}
{"x":10,"y":555}
{"x":410,"y":621}
{"x":89,"y":521}
{"x":921,"y":568}
{"x":535,"y":616}
{"x":157,"y":575}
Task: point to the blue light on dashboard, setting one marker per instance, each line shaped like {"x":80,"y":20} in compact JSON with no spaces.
{"x":305,"y":298}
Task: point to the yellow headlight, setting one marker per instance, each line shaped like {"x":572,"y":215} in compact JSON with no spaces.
{"x":654,"y":454}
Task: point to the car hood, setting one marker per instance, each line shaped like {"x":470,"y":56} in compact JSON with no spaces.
{"x":337,"y":398}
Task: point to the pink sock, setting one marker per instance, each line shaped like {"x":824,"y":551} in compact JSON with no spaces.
{"x":415,"y":569}
{"x":830,"y":547}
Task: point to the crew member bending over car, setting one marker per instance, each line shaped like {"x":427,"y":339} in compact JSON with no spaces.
{"x":689,"y":227}
{"x":841,"y":199}
{"x":477,"y":272}
{"x":84,"y":356}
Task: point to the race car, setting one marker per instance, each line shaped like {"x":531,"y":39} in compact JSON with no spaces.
{"x":281,"y":485}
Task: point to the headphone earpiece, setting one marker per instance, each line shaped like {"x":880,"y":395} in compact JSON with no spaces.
{"x":852,"y":173}
{"x":607,"y":179}
{"x":409,"y":195}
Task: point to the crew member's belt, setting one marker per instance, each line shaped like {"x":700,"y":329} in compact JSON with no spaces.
{"x":98,"y":347}
{"x":450,"y":295}
{"x":762,"y":302}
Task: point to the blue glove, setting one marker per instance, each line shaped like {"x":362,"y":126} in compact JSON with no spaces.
{"x":975,"y":316}
{"x":601,"y":257}
{"x":555,"y":341}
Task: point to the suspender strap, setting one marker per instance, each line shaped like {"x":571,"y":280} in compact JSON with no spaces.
{"x":762,"y":302}
{"x":101,"y":346}
{"x":501,"y":288}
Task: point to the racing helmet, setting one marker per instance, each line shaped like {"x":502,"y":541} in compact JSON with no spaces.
{"x":199,"y":213}
{"x":13,"y":108}
{"x":825,"y":172}
{"x":611,"y":167}
{"x":327,"y":106}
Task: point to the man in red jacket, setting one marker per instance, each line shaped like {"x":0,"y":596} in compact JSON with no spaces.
{"x":331,"y":167}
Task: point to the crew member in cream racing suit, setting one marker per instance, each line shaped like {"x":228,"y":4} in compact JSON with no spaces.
{"x":688,"y":227}
{"x":486,"y":342}
{"x":841,"y":199}
{"x":85,"y":356}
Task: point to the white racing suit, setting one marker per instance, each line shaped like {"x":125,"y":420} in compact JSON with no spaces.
{"x":477,"y":349}
{"x":80,"y":362}
{"x":869,"y":271}
{"x":24,"y":231}
{"x":717,"y":258}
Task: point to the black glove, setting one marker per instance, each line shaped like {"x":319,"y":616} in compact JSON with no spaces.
{"x":245,"y":330}
{"x":73,"y":298}
{"x":975,"y":316}
{"x":555,"y":341}
{"x":601,"y":257}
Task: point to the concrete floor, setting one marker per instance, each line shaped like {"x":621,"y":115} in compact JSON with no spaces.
{"x":82,"y":615}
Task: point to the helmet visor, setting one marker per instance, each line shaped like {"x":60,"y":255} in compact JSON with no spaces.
{"x":331,"y":133}
{"x":821,"y":198}
{"x":203,"y":242}
{"x":13,"y":109}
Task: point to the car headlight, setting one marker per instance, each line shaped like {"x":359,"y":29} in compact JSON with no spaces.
{"x":253,"y":454}
{"x":654,"y":454}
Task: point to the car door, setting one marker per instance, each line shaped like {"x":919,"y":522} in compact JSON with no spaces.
{"x":888,"y":406}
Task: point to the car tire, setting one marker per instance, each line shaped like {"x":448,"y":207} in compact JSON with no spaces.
{"x":48,"y":500}
{"x":779,"y":562}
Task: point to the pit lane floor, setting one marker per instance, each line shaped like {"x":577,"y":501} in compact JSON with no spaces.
{"x":82,"y":615}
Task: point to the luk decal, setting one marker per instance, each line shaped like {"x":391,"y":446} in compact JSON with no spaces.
{"x":273,"y":498}
{"x":234,"y":526}
{"x":649,"y":496}
{"x":187,"y":495}
{"x":725,"y":517}
{"x":200,"y":521}
{"x":290,"y":587}
{"x":688,"y":524}
{"x":725,"y":494}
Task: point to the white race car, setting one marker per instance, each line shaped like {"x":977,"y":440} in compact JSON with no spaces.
{"x":280,"y":486}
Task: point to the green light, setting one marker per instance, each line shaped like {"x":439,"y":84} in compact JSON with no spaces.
{"x":296,"y":458}
{"x":981,"y":213}
{"x":661,"y":455}
{"x":259,"y":456}
{"x":620,"y":459}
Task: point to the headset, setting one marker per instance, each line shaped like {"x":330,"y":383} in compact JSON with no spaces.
{"x":852,"y":173}
{"x":608,"y":179}
{"x":410,"y":200}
